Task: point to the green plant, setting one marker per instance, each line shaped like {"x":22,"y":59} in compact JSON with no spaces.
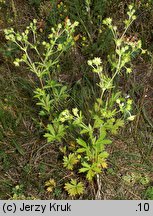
{"x":42,"y":59}
{"x":47,"y":53}
{"x":90,"y":15}
{"x":134,"y":177}
{"x":58,"y":12}
{"x":149,"y":193}
{"x":18,"y":193}
{"x":88,"y":157}
{"x":90,"y":150}
{"x":125,"y":49}
{"x":2,"y":2}
{"x":73,"y":188}
{"x":110,"y":110}
{"x":50,"y":185}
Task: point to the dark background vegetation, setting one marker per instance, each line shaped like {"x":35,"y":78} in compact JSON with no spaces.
{"x":26,"y":159}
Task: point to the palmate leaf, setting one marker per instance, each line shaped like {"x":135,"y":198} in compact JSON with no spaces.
{"x":56,"y":132}
{"x":91,"y":170}
{"x":45,"y":101}
{"x":73,"y":188}
{"x":50,"y":138}
{"x":118,"y":123}
{"x":51,"y":129}
{"x":50,"y":184}
{"x":85,"y":167}
{"x":90,"y":174}
{"x":70,"y":161}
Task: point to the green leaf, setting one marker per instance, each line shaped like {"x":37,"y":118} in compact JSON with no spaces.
{"x":50,"y":138}
{"x":81,"y":150}
{"x":98,"y":122}
{"x":90,"y":175}
{"x":73,"y":188}
{"x":61,"y":130}
{"x":81,"y":142}
{"x":18,"y":147}
{"x":82,"y":170}
{"x":55,"y":135}
{"x":51,"y":129}
{"x":106,"y":141}
{"x":84,"y":131}
{"x":119,"y":123}
{"x":96,"y":168}
{"x":99,"y":141}
{"x":70,"y":161}
{"x":91,"y":170}
{"x":102,"y":132}
{"x":84,"y":164}
{"x":104,"y":154}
